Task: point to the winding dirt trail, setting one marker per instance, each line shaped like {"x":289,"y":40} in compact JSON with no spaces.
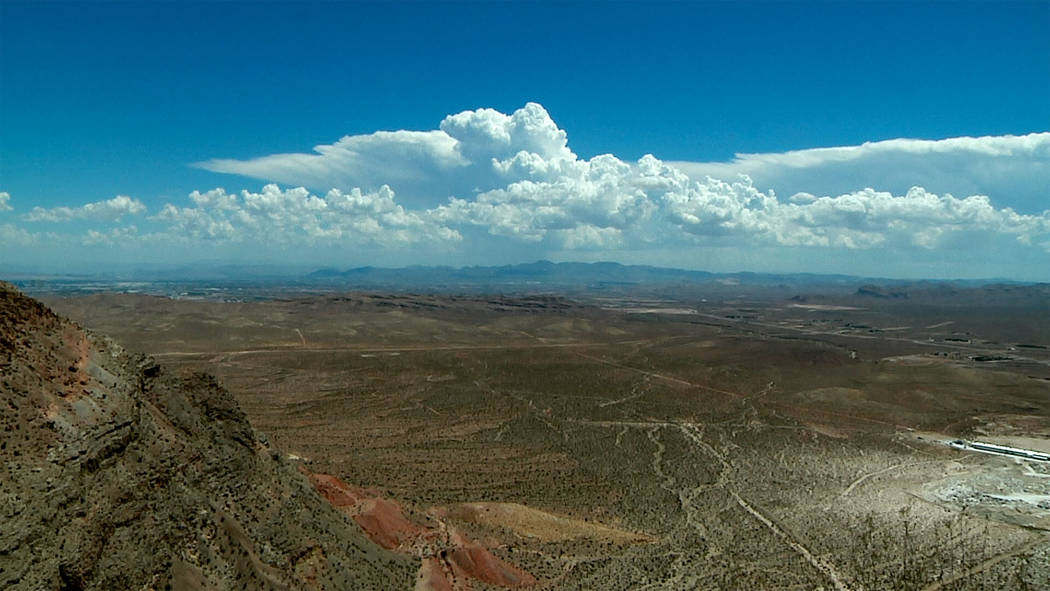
{"x":660,"y":376}
{"x":686,"y":496}
{"x":864,"y":477}
{"x":821,"y":565}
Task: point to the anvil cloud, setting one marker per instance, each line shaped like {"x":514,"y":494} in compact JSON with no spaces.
{"x":489,"y":182}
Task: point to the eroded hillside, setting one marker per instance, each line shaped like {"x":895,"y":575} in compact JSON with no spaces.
{"x":119,"y":475}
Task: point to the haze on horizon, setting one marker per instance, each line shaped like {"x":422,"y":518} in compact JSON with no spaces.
{"x":874,"y":139}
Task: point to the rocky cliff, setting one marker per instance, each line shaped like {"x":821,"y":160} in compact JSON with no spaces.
{"x":115,"y":474}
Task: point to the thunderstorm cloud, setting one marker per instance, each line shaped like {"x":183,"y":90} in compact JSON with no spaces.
{"x":486,"y":182}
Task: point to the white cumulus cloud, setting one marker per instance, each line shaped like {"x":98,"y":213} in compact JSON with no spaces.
{"x":1012,"y":170}
{"x":5,"y":201}
{"x":12,"y":235}
{"x":652,"y":204}
{"x":472,"y":150}
{"x":113,"y":237}
{"x":515,"y":178}
{"x":296,"y":216}
{"x":109,"y":210}
{"x":491,"y":187}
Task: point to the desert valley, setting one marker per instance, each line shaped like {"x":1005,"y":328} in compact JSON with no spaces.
{"x":658,"y":436}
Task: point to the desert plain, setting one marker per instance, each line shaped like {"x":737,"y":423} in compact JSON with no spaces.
{"x":672,"y":437}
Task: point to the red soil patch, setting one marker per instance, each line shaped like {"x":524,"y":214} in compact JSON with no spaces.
{"x":335,"y":491}
{"x":386,"y":524}
{"x":432,"y":576}
{"x":77,"y":349}
{"x":450,"y":560}
{"x":382,"y":519}
{"x":472,"y":561}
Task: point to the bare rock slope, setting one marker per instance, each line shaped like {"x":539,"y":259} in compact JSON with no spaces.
{"x":115,"y":474}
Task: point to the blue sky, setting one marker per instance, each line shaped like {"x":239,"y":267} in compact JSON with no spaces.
{"x":153,"y":101}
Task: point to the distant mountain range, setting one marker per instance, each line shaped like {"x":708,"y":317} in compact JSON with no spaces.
{"x":212,"y":280}
{"x":540,"y":272}
{"x":555,"y":274}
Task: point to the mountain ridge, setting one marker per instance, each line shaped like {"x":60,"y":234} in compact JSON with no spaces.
{"x":120,"y":475}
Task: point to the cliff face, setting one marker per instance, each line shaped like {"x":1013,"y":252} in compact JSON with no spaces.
{"x":115,"y":474}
